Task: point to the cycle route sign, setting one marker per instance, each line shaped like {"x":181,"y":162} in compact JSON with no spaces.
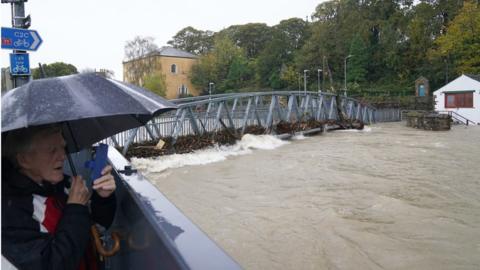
{"x":20,"y":39}
{"x":19,"y":64}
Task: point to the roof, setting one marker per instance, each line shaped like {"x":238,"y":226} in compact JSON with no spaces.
{"x":421,"y":78}
{"x":472,"y":76}
{"x":461,"y":84}
{"x":173,"y":52}
{"x":166,"y":51}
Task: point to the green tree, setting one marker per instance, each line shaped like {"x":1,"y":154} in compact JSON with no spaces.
{"x":462,"y":40}
{"x":287,"y":37}
{"x":156,"y":83}
{"x":192,"y":40}
{"x":422,"y":29}
{"x":289,"y":76}
{"x":251,"y":37}
{"x":294,"y":32}
{"x":239,"y":74}
{"x":225,"y":65}
{"x":357,"y":71}
{"x":54,"y":70}
{"x":269,"y":63}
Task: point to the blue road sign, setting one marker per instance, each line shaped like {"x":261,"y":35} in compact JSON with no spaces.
{"x":19,"y":64}
{"x":20,"y":39}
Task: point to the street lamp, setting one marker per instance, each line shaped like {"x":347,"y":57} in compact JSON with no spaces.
{"x":319,"y":85}
{"x":299,"y":81}
{"x":345,"y":74}
{"x":305,"y":80}
{"x":210,"y":86}
{"x":446,"y":70}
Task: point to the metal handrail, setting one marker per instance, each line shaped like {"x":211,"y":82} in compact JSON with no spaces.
{"x":457,"y":117}
{"x":182,"y":102}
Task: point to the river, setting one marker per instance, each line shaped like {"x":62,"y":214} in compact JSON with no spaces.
{"x":388,"y":197}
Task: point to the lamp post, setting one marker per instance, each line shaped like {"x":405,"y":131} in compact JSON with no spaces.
{"x":446,"y":70}
{"x":319,"y":84}
{"x":305,"y":81}
{"x":210,"y":86}
{"x":345,"y":74}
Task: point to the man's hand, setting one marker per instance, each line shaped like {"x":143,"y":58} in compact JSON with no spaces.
{"x":105,"y":185}
{"x":79,"y":193}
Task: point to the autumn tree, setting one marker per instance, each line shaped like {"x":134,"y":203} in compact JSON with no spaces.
{"x":461,"y":43}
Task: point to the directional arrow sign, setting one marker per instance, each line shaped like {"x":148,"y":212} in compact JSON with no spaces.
{"x":20,"y":39}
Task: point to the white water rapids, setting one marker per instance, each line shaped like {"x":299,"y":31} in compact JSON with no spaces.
{"x":389,"y":197}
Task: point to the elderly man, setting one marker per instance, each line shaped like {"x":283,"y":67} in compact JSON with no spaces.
{"x":46,"y":218}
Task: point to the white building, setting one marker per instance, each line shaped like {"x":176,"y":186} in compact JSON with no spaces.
{"x":460,"y":96}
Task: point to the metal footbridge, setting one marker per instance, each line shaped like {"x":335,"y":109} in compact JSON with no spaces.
{"x":203,"y":114}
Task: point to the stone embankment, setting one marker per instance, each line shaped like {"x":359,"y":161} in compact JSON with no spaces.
{"x":429,"y":121}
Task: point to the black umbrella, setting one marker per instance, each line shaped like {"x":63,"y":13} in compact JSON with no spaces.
{"x":88,"y":107}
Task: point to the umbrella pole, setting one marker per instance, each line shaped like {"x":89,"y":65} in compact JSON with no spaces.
{"x":70,"y":161}
{"x":72,"y":166}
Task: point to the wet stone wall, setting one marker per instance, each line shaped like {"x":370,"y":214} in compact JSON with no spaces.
{"x":429,"y":121}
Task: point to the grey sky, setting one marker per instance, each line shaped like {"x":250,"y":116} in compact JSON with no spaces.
{"x":92,"y":33}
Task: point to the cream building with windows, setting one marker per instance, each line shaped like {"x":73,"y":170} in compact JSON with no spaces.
{"x":174,"y":64}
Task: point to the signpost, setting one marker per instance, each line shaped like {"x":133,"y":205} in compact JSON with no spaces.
{"x":19,"y":64}
{"x":20,"y":39}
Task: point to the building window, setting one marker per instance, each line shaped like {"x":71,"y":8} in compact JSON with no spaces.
{"x":173,"y":68}
{"x":459,"y":100}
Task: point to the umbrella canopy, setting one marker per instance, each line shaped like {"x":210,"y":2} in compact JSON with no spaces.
{"x":89,"y":107}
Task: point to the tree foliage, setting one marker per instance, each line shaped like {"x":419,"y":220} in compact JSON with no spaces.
{"x":359,"y":61}
{"x":226,"y":66}
{"x":156,"y":83}
{"x":393,"y":42}
{"x":54,"y":70}
{"x":462,"y":40}
{"x":192,"y":40}
{"x":251,"y":37}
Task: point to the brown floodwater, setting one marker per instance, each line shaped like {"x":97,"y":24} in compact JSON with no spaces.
{"x":390,"y":197}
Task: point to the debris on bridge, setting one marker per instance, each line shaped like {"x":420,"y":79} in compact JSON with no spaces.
{"x":228,"y":136}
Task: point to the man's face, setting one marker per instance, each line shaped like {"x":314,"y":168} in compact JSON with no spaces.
{"x":45,"y":159}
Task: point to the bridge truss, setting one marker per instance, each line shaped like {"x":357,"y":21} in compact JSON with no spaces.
{"x":203,"y":114}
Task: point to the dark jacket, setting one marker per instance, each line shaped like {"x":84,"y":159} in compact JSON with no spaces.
{"x":25,"y":241}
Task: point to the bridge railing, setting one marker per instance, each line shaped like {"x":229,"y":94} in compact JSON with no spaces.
{"x":388,"y":115}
